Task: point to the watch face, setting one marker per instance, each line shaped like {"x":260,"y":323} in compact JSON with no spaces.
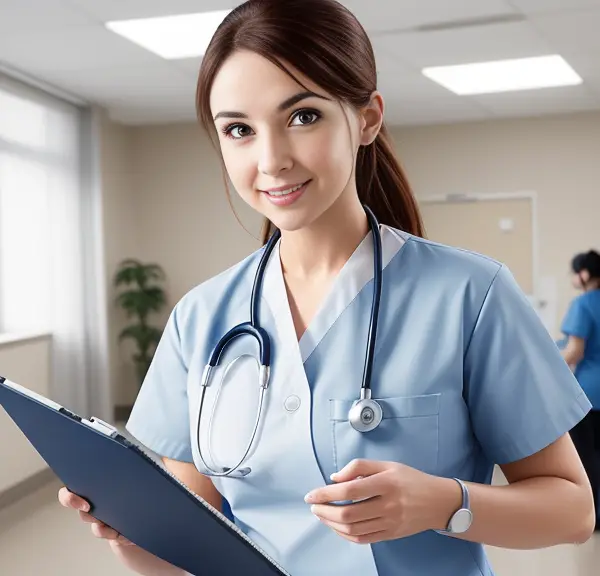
{"x":461,"y":521}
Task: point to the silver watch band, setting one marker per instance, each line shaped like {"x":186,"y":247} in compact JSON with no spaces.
{"x":461,"y":520}
{"x":466,"y":501}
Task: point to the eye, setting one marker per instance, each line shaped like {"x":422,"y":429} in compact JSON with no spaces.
{"x":305,"y":117}
{"x":236,"y":131}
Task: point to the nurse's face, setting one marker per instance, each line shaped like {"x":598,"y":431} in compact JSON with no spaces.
{"x":290,"y":155}
{"x":580,"y":280}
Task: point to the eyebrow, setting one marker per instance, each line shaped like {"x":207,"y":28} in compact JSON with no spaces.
{"x":281,"y":108}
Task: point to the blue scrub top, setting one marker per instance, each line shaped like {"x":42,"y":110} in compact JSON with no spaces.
{"x":583,"y":321}
{"x":465,"y":371}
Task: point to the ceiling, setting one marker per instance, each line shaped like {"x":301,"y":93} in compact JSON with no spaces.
{"x":65,"y":44}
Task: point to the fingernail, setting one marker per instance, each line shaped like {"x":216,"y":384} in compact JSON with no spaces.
{"x":308,"y":497}
{"x":85,"y":507}
{"x":334,"y":476}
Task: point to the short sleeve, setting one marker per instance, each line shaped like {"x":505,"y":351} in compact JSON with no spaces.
{"x":578,"y":321}
{"x":160,"y":416}
{"x":521,"y":394}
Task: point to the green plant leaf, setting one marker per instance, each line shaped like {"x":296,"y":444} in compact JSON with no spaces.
{"x":133,"y":271}
{"x":141,"y":303}
{"x":144,"y":336}
{"x":138,"y":300}
{"x":154,"y":272}
{"x":127,"y":272}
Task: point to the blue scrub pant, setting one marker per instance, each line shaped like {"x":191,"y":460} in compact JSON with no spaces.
{"x":586,"y":438}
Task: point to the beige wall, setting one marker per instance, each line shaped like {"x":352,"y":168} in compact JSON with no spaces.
{"x":188,"y":225}
{"x":165,"y":201}
{"x":555,"y":156}
{"x":122,"y":219}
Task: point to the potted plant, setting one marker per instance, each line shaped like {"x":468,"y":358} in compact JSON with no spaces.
{"x":141,"y":297}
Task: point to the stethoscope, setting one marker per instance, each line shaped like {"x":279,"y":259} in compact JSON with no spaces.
{"x":365,"y":414}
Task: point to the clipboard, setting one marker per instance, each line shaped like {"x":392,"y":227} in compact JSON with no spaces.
{"x":131,"y":492}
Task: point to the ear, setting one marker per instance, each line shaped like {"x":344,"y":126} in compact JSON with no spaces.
{"x":585,"y":276}
{"x":371,"y":119}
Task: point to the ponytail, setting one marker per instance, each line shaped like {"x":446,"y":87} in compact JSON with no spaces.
{"x":589,"y":261}
{"x":382,"y":185}
{"x":267,"y":230}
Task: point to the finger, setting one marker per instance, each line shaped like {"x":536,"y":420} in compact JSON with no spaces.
{"x":359,"y":467}
{"x":351,"y":513}
{"x":359,"y":489}
{"x":367,"y":539}
{"x":122,"y":541}
{"x":88,"y":518}
{"x":357,"y":529}
{"x":70,"y":500}
{"x":103,"y":531}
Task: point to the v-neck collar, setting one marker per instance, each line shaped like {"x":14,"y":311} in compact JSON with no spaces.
{"x":356,"y":273}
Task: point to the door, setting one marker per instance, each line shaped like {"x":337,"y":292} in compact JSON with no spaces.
{"x":500,"y":228}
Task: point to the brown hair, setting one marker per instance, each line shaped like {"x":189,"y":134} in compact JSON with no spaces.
{"x":325,"y":42}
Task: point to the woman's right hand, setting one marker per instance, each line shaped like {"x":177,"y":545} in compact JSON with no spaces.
{"x":99,"y":529}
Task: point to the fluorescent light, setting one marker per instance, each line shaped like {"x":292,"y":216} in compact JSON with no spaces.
{"x":172,"y":37}
{"x":505,"y":75}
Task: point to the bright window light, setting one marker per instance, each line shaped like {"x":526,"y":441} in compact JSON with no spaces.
{"x":504,"y":75}
{"x":172,"y":37}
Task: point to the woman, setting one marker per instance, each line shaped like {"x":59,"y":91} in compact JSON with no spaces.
{"x":581,"y":350}
{"x":464,"y":372}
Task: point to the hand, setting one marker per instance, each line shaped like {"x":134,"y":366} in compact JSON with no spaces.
{"x":99,"y":529}
{"x":400,"y":501}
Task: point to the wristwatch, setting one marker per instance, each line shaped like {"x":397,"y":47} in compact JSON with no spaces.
{"x":462,"y":519}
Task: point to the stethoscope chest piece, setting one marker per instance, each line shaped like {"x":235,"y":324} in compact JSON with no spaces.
{"x":366,"y":414}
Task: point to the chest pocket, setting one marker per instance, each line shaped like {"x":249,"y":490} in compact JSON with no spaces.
{"x":408,"y":433}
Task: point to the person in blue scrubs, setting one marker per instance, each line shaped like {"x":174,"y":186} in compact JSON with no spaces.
{"x":464,"y":371}
{"x":581,"y":350}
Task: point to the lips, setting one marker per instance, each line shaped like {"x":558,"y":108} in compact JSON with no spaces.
{"x":284,"y":190}
{"x":286,"y":196}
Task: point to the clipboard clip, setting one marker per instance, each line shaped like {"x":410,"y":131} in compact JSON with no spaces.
{"x":101,"y":426}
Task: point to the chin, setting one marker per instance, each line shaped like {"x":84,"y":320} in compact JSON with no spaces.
{"x":291,"y":218}
{"x":301,"y":214}
{"x":289,"y":224}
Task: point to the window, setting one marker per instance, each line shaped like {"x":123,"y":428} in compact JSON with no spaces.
{"x":40,"y":175}
{"x":51,"y":257}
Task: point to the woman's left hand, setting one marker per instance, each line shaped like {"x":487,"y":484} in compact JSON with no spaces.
{"x":400,"y":501}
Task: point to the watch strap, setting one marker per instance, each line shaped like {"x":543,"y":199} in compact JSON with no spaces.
{"x":466,"y":500}
{"x":466,"y":505}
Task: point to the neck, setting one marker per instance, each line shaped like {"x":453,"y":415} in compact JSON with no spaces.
{"x":323,"y":248}
{"x":592,"y":285}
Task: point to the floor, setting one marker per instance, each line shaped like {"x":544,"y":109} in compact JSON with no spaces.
{"x":38,"y":536}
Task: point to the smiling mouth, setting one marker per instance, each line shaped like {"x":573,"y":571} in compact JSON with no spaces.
{"x":287,"y":191}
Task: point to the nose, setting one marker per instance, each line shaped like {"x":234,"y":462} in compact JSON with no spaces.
{"x":275,"y":154}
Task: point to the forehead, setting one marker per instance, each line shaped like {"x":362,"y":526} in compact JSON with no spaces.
{"x":248,"y":82}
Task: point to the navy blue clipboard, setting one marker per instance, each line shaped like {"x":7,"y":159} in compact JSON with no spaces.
{"x":132,"y":493}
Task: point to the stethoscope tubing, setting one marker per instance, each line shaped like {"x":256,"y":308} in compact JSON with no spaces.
{"x":365,"y":414}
